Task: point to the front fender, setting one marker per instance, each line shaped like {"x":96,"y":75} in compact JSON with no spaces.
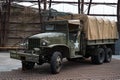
{"x":55,"y":45}
{"x":64,"y":49}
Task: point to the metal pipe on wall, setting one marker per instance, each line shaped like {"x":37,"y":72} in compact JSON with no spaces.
{"x":118,"y":16}
{"x":78,"y":6}
{"x":82,"y":7}
{"x":89,"y":7}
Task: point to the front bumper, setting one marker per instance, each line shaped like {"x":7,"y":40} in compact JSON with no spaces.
{"x":24,"y":56}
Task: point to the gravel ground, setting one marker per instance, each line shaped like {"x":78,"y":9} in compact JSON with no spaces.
{"x":10,"y":69}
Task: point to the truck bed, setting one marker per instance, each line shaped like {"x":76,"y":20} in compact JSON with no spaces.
{"x":100,"y":42}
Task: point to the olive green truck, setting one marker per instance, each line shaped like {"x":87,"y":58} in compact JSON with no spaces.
{"x":86,"y":37}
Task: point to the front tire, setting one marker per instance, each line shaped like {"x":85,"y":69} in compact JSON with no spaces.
{"x":56,"y":62}
{"x":99,"y":56}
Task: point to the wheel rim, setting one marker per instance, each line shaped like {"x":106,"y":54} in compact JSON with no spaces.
{"x":101,"y":57}
{"x":109,"y":56}
{"x":59,"y":63}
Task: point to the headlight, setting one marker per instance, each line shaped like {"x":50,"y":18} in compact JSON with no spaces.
{"x":44,"y":43}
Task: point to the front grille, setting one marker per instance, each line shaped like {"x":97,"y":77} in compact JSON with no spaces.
{"x":33,"y":43}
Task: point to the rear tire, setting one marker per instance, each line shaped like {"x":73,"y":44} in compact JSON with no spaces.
{"x":27,"y":65}
{"x":108,"y":55}
{"x":56,"y":62}
{"x":99,"y":56}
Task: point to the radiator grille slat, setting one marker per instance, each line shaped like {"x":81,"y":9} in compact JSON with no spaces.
{"x":33,"y":43}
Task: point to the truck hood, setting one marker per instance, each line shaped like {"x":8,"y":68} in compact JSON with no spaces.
{"x":50,"y":34}
{"x":47,"y":39}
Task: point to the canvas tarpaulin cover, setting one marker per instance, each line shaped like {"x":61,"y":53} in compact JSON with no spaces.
{"x":94,"y":28}
{"x":99,"y":28}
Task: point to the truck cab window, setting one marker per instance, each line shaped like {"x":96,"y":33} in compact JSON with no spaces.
{"x":49,"y":27}
{"x":55,"y":28}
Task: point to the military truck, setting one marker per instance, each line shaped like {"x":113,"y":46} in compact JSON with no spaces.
{"x":85,"y":37}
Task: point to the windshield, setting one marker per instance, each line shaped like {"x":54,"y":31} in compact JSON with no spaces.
{"x":55,"y":27}
{"x":49,"y":27}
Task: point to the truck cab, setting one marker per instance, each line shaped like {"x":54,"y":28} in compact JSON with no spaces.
{"x":58,"y":40}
